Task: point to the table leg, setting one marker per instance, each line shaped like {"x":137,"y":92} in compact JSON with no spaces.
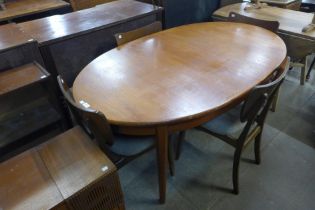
{"x":162,"y":148}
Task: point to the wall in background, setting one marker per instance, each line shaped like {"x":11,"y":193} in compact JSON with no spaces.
{"x":179,"y":12}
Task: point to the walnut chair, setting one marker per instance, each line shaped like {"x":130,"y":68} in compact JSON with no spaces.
{"x":244,"y":123}
{"x":123,"y":38}
{"x":121,"y":149}
{"x":266,"y":24}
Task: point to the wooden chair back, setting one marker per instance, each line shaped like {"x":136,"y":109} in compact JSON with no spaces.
{"x":259,"y":100}
{"x":92,"y":121}
{"x":84,"y":4}
{"x":122,"y":38}
{"x":267,"y":24}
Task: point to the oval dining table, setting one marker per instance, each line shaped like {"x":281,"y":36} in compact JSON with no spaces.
{"x":178,"y":79}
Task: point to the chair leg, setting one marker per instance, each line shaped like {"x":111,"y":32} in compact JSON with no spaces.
{"x":309,"y":70}
{"x":257,"y":148}
{"x":179,"y":141}
{"x":171,"y":156}
{"x":236,"y":163}
{"x":275,"y":101}
{"x":303,"y":72}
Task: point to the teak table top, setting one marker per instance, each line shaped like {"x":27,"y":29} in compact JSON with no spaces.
{"x":180,"y":73}
{"x":20,"y":8}
{"x":291,"y":22}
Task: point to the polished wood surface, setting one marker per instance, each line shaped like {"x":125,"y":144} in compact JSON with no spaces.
{"x":291,"y":22}
{"x":20,"y":8}
{"x":22,"y":76}
{"x":178,"y":79}
{"x":183,"y":77}
{"x":11,"y":36}
{"x":74,"y":162}
{"x":25,"y":183}
{"x":58,"y":27}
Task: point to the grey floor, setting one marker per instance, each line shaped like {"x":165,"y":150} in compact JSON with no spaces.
{"x":284,"y":180}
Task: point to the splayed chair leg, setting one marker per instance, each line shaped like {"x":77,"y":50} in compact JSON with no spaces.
{"x":236,"y":163}
{"x":179,"y":143}
{"x":257,"y":149}
{"x":171,"y":155}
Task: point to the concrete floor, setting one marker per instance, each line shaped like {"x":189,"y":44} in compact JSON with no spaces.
{"x":284,"y":180}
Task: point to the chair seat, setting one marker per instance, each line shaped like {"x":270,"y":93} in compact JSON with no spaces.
{"x":131,"y":145}
{"x":227,"y":124}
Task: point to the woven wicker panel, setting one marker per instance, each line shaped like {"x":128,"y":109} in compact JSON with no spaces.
{"x":104,"y":194}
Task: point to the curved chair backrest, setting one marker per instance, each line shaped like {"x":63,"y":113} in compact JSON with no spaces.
{"x":122,"y":38}
{"x":258,"y":101}
{"x":92,"y":121}
{"x":267,"y":24}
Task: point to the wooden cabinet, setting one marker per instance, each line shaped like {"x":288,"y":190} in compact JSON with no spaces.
{"x":27,"y":104}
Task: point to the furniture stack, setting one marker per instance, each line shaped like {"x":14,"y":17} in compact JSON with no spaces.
{"x":67,"y":172}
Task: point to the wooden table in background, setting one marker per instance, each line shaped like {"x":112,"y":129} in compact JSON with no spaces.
{"x":178,"y":79}
{"x":291,"y":22}
{"x":287,"y":4}
{"x":22,"y":8}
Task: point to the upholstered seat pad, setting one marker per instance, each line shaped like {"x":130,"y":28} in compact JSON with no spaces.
{"x":227,"y":124}
{"x":131,"y":145}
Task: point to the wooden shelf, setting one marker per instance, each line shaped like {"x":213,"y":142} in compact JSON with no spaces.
{"x":20,"y":77}
{"x":26,"y":120}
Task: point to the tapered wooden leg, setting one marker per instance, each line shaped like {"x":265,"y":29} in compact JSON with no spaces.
{"x":257,"y":148}
{"x":236,"y":163}
{"x":179,"y":143}
{"x":162,"y":145}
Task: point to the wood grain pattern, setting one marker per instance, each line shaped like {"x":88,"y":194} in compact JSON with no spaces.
{"x":291,"y":22}
{"x":181,"y":73}
{"x":29,"y":190}
{"x":74,"y":162}
{"x":22,"y":76}
{"x":11,"y":36}
{"x":20,"y":8}
{"x":58,"y":27}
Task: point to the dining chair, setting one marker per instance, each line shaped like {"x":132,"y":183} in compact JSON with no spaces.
{"x":243,"y":123}
{"x":121,"y":149}
{"x":123,"y":38}
{"x":308,"y":75}
{"x":267,"y":24}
